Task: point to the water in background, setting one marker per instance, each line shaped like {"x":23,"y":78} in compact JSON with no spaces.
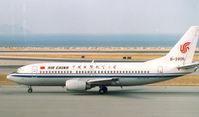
{"x":88,"y":40}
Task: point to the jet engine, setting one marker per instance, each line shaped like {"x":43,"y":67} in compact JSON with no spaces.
{"x":76,"y":85}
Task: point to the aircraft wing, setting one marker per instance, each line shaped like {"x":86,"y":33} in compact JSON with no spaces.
{"x":102,"y":81}
{"x":189,"y":66}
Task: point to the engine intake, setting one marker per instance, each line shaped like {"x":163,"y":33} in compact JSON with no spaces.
{"x":76,"y":85}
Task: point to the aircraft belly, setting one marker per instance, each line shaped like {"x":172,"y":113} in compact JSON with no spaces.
{"x":140,"y":81}
{"x":44,"y":81}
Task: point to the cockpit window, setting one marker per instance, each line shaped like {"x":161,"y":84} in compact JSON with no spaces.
{"x":19,"y":70}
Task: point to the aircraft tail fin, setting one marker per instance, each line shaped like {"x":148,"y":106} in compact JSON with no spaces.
{"x":182,"y":53}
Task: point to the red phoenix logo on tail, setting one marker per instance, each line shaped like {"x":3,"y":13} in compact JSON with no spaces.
{"x":185,"y":47}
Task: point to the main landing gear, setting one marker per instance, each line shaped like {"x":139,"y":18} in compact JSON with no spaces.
{"x":103,"y":90}
{"x":29,"y":89}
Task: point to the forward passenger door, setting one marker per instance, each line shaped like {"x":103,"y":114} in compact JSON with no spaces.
{"x":34,"y":71}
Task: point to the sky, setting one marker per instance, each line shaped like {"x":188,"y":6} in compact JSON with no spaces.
{"x":97,"y":16}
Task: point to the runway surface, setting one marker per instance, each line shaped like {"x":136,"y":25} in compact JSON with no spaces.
{"x":110,"y":52}
{"x":11,"y":64}
{"x":85,"y":52}
{"x":138,"y":101}
{"x":62,"y":60}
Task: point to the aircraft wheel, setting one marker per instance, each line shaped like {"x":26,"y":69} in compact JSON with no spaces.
{"x":103,"y":90}
{"x":29,"y":90}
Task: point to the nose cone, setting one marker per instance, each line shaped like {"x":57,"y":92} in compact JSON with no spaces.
{"x":9,"y":77}
{"x":15,"y":78}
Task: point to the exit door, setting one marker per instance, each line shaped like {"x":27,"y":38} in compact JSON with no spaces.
{"x":34,"y":71}
{"x":160,"y":69}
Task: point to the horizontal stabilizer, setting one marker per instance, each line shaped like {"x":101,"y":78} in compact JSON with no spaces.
{"x":190,"y":66}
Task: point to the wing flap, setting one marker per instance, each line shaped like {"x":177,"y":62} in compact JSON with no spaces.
{"x":102,"y":81}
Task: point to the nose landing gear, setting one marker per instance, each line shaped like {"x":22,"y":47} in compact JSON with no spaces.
{"x":29,"y":89}
{"x":103,"y":90}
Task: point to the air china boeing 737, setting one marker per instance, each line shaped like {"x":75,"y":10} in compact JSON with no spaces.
{"x":81,"y":76}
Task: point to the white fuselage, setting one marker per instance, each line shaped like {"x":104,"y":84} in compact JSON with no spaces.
{"x":128,"y":73}
{"x":80,"y":76}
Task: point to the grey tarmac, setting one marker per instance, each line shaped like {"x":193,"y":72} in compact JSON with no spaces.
{"x":135,"y":101}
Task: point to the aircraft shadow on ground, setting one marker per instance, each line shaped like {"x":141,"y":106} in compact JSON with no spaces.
{"x":136,"y":93}
{"x":125,"y":93}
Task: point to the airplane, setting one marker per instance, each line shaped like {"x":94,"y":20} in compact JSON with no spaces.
{"x":82,"y":76}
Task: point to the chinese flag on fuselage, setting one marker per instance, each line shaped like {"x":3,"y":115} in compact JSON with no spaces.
{"x":42,"y":67}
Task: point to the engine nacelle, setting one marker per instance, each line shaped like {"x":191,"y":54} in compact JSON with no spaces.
{"x":75,"y":85}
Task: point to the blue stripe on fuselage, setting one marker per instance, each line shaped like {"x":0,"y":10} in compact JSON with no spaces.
{"x":89,"y":76}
